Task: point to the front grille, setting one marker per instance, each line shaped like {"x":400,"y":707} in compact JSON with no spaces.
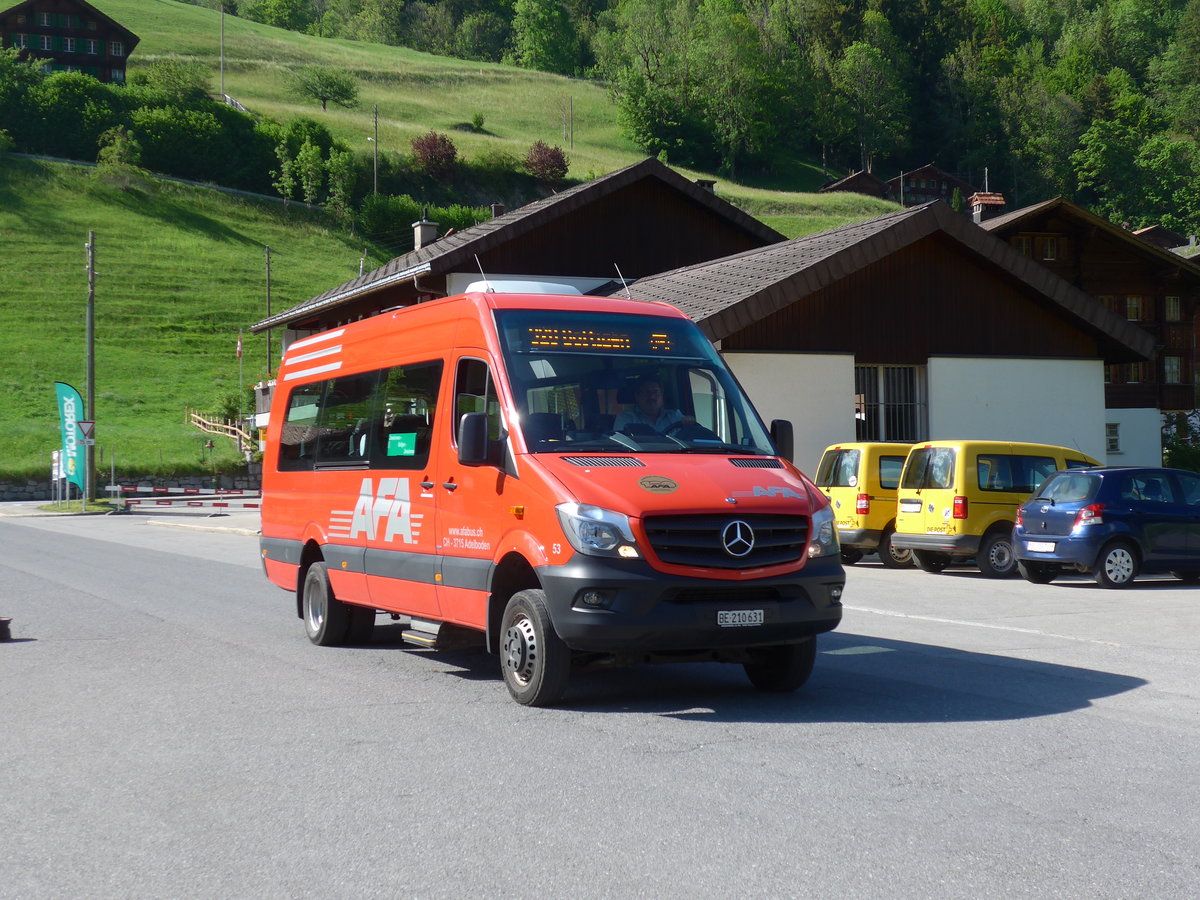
{"x":610,"y":462}
{"x":756,"y":462}
{"x":697,"y":540}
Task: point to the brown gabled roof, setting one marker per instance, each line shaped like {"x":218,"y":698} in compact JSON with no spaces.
{"x":457,"y":251}
{"x":729,"y":294}
{"x":1010,"y":222}
{"x":131,"y":40}
{"x":857,"y":183}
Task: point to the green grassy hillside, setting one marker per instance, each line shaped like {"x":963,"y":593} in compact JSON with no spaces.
{"x":179,"y":271}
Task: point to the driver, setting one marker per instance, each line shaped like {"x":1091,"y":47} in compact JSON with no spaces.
{"x":649,"y":410}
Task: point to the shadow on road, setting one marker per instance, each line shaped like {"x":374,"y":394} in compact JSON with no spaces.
{"x":857,"y":679}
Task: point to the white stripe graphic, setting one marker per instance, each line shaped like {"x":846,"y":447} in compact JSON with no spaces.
{"x":317,"y":339}
{"x":316,"y":370}
{"x":316,"y":354}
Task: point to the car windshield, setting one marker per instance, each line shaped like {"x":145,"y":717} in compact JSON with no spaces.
{"x":585,"y":381}
{"x":1069,"y":487}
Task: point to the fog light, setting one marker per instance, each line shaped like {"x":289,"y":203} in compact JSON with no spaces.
{"x":627,"y":552}
{"x":592,"y":599}
{"x":835,"y":593}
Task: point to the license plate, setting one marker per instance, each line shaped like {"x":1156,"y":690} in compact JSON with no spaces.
{"x":1040,"y":546}
{"x":734,"y":618}
{"x":910,"y":506}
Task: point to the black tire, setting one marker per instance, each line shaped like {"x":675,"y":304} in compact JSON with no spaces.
{"x":326,"y":618}
{"x":1187,"y":577}
{"x":893,"y":557}
{"x":533,"y":659}
{"x":996,"y":558}
{"x":850,"y":556}
{"x":782,"y":669}
{"x":930,"y":560}
{"x":1036,"y":572}
{"x":1116,"y":566}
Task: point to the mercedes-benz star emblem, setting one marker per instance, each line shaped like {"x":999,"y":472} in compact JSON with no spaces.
{"x":738,"y":538}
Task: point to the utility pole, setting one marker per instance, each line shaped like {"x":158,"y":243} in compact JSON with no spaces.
{"x":375,"y":142}
{"x":89,"y":464}
{"x":222,"y":4}
{"x":268,"y":251}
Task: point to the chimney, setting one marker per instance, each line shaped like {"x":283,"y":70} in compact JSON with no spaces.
{"x":708,"y":184}
{"x":497,"y":210}
{"x":985,"y":205}
{"x":424,"y":231}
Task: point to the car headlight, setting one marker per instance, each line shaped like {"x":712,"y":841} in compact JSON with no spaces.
{"x":596,"y":531}
{"x":824,"y":540}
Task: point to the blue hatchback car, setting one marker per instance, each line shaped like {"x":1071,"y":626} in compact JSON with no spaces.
{"x":1113,"y":522}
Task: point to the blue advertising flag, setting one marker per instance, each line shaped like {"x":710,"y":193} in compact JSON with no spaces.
{"x":70,"y":411}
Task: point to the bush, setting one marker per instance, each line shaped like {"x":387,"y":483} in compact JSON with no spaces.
{"x":434,"y":154}
{"x":546,"y":163}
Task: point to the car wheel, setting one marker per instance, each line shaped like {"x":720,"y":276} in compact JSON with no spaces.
{"x":326,"y":618}
{"x":850,"y":557}
{"x":891,"y":556}
{"x":1187,"y":577}
{"x":996,"y":558}
{"x":784,"y":668}
{"x":535,"y":662}
{"x":1037,"y":573}
{"x":930,"y":561}
{"x":1116,"y":566}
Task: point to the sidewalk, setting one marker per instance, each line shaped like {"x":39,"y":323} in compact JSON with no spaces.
{"x":236,"y":521}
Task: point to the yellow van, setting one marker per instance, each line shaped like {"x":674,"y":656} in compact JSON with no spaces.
{"x":959,"y":499}
{"x":860,"y":481}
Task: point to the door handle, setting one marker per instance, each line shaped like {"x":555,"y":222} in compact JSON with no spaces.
{"x":449,"y":485}
{"x":427,"y":485}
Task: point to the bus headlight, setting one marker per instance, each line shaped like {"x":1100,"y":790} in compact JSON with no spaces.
{"x":596,"y":531}
{"x":824,"y":539}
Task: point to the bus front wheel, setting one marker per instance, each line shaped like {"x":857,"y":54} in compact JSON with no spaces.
{"x":535,"y":662}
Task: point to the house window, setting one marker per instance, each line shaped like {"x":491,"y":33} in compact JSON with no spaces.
{"x":1022,"y":245}
{"x":1133,"y":308}
{"x":47,"y":42}
{"x":1135,"y":373}
{"x":116,"y":48}
{"x":93,"y":47}
{"x":20,"y":41}
{"x":69,"y":45}
{"x":92,"y":26}
{"x":890,"y":403}
{"x":1171,"y":370}
{"x":1171,"y":309}
{"x":1050,"y":248}
{"x":44,"y":19}
{"x":20,"y":18}
{"x":118,"y":76}
{"x":1112,"y":437}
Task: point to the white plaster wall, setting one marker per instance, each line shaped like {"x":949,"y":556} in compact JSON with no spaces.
{"x":1140,"y":437}
{"x":814,"y":390}
{"x":1048,"y":401}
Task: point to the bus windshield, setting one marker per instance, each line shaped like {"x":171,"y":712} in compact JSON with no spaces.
{"x":619,"y":382}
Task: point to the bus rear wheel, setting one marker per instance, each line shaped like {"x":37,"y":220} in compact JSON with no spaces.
{"x":326,"y":618}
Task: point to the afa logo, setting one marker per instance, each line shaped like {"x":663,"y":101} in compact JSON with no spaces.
{"x":772,"y":491}
{"x":384,"y":512}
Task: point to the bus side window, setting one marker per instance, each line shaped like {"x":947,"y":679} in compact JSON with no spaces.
{"x":298,"y":439}
{"x":475,"y":391}
{"x":408,"y":401}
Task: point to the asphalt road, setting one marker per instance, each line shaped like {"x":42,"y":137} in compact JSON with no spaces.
{"x":168,"y":731}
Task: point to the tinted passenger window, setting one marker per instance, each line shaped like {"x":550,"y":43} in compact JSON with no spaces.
{"x":298,"y":440}
{"x":1016,"y":474}
{"x":1190,"y":487}
{"x":1069,"y":487}
{"x":407,"y":401}
{"x":344,"y":422}
{"x":1147,"y":487}
{"x":889,"y":471}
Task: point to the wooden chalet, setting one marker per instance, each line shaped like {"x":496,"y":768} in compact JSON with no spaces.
{"x":861,"y":182}
{"x":914,"y":325}
{"x":625,"y":225}
{"x":70,"y":35}
{"x":925,"y":184}
{"x":1161,"y":237}
{"x":1150,"y":287}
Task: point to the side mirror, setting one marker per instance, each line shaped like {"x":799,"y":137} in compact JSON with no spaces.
{"x":473,"y":444}
{"x":781,"y":434}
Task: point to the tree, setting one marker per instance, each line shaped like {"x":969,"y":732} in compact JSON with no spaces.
{"x":543,"y":37}
{"x":174,"y":78}
{"x":870,"y":84}
{"x":326,"y":84}
{"x":434,"y":154}
{"x":546,"y":163}
{"x":310,"y":171}
{"x":120,"y":157}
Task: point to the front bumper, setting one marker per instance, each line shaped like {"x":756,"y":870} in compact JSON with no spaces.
{"x":649,"y":611}
{"x":953,"y":544}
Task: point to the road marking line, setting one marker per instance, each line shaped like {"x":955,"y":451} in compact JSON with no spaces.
{"x":1013,"y":628}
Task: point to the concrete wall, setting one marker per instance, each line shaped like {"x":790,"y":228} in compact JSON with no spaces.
{"x":1049,"y":401}
{"x":1139,"y":437}
{"x":814,"y":390}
